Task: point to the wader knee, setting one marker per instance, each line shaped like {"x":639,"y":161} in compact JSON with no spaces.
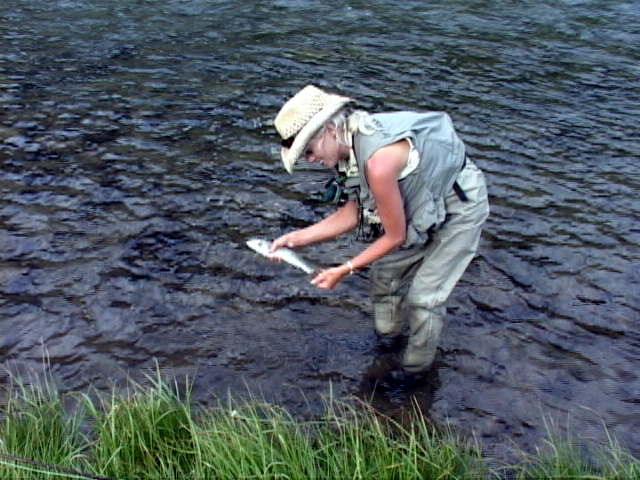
{"x":422,"y":345}
{"x":388,"y":321}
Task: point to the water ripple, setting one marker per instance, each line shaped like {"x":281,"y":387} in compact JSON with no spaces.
{"x":138,"y":153}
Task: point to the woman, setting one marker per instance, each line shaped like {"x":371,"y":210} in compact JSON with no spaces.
{"x":408,"y":178}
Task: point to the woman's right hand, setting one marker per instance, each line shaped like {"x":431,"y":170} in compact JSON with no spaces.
{"x":286,"y":240}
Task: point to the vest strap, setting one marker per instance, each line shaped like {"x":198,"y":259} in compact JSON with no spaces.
{"x":458,"y":189}
{"x":456,"y":186}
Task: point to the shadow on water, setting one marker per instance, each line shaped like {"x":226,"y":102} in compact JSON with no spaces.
{"x":137,"y":155}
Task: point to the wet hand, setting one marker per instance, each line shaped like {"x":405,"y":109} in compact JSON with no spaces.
{"x":329,"y":278}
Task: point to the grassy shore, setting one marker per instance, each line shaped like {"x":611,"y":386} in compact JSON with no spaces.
{"x":156,"y":433}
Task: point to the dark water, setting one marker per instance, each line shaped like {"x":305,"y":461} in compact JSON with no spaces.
{"x":138,"y":154}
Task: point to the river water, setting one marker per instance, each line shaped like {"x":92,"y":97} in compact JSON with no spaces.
{"x":138,"y":154}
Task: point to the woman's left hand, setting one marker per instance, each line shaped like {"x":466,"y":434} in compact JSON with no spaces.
{"x":329,"y":278}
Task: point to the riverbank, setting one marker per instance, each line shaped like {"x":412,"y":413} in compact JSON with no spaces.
{"x":156,"y":432}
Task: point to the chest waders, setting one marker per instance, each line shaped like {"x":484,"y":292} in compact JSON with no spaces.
{"x":419,"y":280}
{"x":416,"y":280}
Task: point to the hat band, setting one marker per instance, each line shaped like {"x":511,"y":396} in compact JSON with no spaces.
{"x":287,"y":142}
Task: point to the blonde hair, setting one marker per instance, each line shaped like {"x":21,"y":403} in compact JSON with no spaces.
{"x":349,"y":122}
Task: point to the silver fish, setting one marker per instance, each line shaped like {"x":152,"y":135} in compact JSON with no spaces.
{"x":285,"y":254}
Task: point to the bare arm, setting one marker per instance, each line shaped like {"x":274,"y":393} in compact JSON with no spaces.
{"x":383,"y":170}
{"x":344,"y":219}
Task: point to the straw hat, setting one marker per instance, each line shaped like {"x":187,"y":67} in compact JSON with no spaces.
{"x":300,"y":119}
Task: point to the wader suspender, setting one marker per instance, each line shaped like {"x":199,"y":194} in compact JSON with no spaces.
{"x":457,"y":188}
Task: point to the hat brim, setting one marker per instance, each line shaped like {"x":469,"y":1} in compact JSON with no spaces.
{"x":291,"y":155}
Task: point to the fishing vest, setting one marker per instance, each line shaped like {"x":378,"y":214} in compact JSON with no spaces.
{"x":441,"y":154}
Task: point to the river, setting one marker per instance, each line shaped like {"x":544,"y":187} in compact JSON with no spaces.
{"x":137,"y":154}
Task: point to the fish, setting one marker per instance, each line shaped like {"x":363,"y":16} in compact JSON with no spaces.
{"x":285,"y":254}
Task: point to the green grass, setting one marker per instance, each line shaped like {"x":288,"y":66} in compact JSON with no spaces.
{"x":561,"y":458}
{"x":36,"y":426}
{"x":154,"y":432}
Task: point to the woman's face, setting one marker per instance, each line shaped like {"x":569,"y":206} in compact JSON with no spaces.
{"x":324,"y":149}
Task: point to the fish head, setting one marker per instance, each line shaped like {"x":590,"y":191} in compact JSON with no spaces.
{"x":259,"y":245}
